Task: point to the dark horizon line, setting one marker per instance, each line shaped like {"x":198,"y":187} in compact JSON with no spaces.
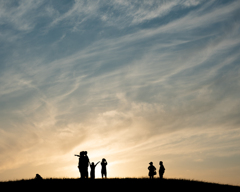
{"x":119,"y":178}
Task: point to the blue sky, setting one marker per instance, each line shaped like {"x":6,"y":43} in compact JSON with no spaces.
{"x":131,"y":81}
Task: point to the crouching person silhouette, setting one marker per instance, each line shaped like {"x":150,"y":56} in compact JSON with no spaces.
{"x":152,"y":170}
{"x":161,"y":170}
{"x":38,"y":177}
{"x":92,"y":166}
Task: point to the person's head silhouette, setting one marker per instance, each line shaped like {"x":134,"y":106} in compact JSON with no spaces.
{"x":151,"y":163}
{"x":160,"y":163}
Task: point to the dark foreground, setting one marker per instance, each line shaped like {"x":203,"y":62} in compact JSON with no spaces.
{"x":165,"y":185}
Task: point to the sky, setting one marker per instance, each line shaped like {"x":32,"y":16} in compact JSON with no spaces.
{"x":130,"y":81}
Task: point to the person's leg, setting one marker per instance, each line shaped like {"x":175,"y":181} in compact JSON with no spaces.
{"x":84,"y":174}
{"x":81,"y":174}
{"x":161,"y":176}
{"x":103,"y":174}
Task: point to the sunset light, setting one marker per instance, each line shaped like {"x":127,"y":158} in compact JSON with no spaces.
{"x":128,"y":81}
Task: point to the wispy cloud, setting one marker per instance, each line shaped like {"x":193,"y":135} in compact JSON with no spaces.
{"x":120,"y":79}
{"x":120,"y":13}
{"x":16,"y":14}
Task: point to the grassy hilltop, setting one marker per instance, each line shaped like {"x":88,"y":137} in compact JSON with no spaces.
{"x":117,"y":184}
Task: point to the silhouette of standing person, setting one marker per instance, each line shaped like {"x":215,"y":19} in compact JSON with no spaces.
{"x":161,"y":170}
{"x":152,"y":170}
{"x":81,"y":164}
{"x":92,"y":173}
{"x":104,"y":168}
{"x":85,"y":164}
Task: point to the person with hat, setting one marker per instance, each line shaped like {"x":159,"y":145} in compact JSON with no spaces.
{"x":152,"y":170}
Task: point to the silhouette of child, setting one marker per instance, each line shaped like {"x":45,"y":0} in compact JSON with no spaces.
{"x":92,"y":173}
{"x":161,"y":170}
{"x":152,"y":170}
{"x":104,"y":169}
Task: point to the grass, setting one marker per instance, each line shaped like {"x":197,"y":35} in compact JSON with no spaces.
{"x":115,"y":184}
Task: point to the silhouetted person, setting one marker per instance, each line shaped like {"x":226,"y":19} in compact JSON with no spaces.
{"x":104,"y":168}
{"x":92,"y":173}
{"x":38,"y":177}
{"x":152,"y":170}
{"x":81,"y":164}
{"x":161,"y":170}
{"x":85,"y":164}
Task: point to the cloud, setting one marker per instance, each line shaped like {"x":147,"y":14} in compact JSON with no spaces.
{"x":17,"y":14}
{"x":118,"y":13}
{"x":148,"y":88}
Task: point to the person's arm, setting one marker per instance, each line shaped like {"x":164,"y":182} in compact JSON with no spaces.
{"x":77,"y":155}
{"x":97,"y":163}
